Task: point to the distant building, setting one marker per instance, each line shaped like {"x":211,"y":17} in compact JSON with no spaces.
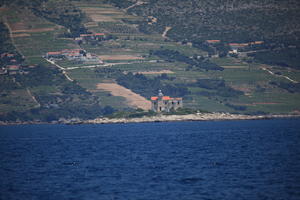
{"x":99,"y":35}
{"x":3,"y":71}
{"x":256,"y":42}
{"x":236,"y":46}
{"x":76,"y":55}
{"x":235,"y":51}
{"x":13,"y":67}
{"x":73,"y":54}
{"x":9,"y":55}
{"x":213,"y":41}
{"x":54,"y":54}
{"x":163,"y":103}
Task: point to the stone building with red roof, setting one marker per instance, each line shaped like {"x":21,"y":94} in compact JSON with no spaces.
{"x":163,"y":103}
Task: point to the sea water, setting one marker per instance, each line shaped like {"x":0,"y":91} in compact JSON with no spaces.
{"x":177,"y":161}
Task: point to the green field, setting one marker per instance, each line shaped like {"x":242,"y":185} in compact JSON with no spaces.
{"x":259,"y":95}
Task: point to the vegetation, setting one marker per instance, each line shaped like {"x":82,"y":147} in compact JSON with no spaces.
{"x":197,"y":70}
{"x":132,"y":114}
{"x":288,"y":57}
{"x":6,"y":47}
{"x":63,"y":13}
{"x":290,"y":87}
{"x":5,"y":41}
{"x":230,"y":21}
{"x":185,"y":111}
{"x":148,"y":87}
{"x":196,"y":62}
{"x":121,"y":4}
{"x":63,"y":103}
{"x":219,"y":48}
{"x":218,"y":88}
{"x":211,"y":20}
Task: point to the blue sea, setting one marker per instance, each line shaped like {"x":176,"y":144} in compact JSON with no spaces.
{"x":216,"y":160}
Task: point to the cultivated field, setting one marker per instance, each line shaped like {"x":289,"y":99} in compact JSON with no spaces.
{"x":130,"y":52}
{"x":132,"y":99}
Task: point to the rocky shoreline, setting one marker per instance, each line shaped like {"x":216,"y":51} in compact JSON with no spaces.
{"x":159,"y":118}
{"x":190,"y":117}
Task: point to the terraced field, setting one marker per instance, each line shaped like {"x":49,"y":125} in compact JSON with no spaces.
{"x":129,"y":51}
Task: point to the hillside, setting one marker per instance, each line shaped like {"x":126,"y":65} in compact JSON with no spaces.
{"x":85,"y":59}
{"x":274,"y":22}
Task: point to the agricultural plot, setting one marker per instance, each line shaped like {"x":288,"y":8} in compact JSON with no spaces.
{"x":34,"y":36}
{"x":133,"y":99}
{"x":99,"y":12}
{"x":17,"y":100}
{"x":239,"y":75}
{"x":129,"y":50}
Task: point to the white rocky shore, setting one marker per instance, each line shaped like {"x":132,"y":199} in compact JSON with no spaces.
{"x":158,"y":118}
{"x":190,"y":117}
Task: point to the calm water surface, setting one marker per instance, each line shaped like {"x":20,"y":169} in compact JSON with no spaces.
{"x":177,"y":161}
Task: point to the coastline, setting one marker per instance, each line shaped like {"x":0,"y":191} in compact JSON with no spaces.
{"x":189,"y":117}
{"x":159,"y":118}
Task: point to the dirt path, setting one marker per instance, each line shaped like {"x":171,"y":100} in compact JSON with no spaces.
{"x":133,"y":99}
{"x":272,"y":73}
{"x":111,"y":64}
{"x":11,"y":36}
{"x":61,"y":68}
{"x":21,"y":35}
{"x":166,"y":31}
{"x":138,"y":3}
{"x":33,"y":98}
{"x":37,"y":30}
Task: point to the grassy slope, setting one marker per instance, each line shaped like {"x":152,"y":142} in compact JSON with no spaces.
{"x":34,"y":36}
{"x":246,"y":77}
{"x":131,"y":42}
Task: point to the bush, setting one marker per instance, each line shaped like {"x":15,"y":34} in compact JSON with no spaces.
{"x":149,"y":87}
{"x":290,"y":87}
{"x":194,"y":63}
{"x":218,"y":86}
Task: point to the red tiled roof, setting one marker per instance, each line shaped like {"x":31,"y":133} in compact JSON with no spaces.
{"x":212,"y":41}
{"x":177,"y":98}
{"x":99,"y":34}
{"x":165,"y":98}
{"x":257,"y":42}
{"x":7,"y":55}
{"x":13,"y":67}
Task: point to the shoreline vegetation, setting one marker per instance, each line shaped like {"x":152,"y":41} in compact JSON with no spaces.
{"x":159,"y":118}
